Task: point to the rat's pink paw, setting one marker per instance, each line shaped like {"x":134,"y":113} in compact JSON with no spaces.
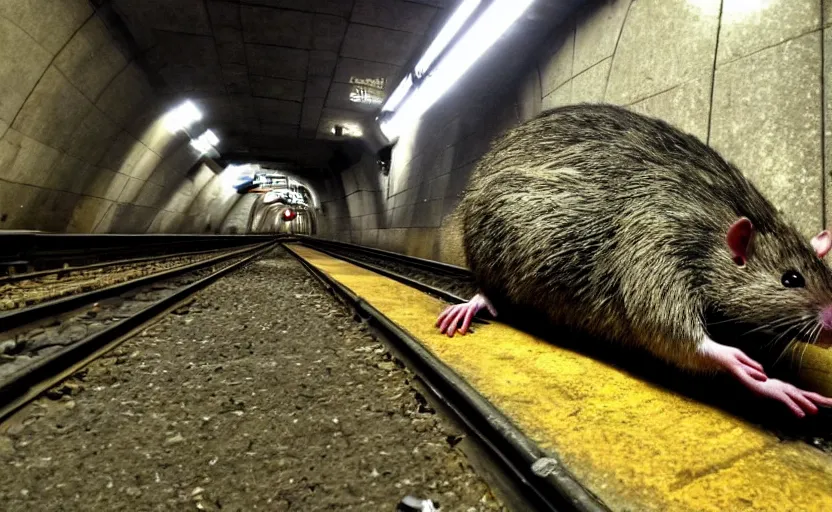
{"x":800,"y":401}
{"x":449,"y":321}
{"x":734,"y":360}
{"x":751,"y":373}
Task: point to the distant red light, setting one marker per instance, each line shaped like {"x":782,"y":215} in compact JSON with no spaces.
{"x":289,"y":214}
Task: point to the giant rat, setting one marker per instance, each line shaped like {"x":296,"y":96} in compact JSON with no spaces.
{"x":626,"y":228}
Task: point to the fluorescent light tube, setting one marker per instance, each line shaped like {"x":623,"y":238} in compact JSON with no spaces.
{"x":206,"y":142}
{"x":457,"y":19}
{"x":489,"y":27}
{"x":182,"y":117}
{"x":398,"y":95}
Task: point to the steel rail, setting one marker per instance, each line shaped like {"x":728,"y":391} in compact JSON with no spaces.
{"x":17,"y":317}
{"x":43,"y":251}
{"x":432,"y":265}
{"x":12,"y":278}
{"x":548,"y":484}
{"x":31,"y":381}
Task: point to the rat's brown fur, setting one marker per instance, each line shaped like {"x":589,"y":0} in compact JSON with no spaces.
{"x":615,"y":223}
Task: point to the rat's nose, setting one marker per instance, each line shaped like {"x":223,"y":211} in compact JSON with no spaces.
{"x":826,"y":318}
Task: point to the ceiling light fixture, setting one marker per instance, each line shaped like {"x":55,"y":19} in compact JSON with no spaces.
{"x":489,"y":27}
{"x":451,"y":28}
{"x":347,"y":130}
{"x":205,"y":142}
{"x":398,"y":94}
{"x":182,"y":117}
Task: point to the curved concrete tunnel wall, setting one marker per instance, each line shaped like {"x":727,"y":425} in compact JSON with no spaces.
{"x":82,"y":146}
{"x":748,"y":83}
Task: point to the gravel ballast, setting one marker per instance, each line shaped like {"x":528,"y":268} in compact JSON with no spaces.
{"x":262,"y":394}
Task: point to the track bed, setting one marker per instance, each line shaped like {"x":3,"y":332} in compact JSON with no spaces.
{"x":262,"y":394}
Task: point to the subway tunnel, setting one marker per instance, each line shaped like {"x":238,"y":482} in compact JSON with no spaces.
{"x":303,"y":149}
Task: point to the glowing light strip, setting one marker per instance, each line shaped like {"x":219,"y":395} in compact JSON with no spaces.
{"x":205,"y":142}
{"x":182,"y":117}
{"x":399,"y":94}
{"x":459,"y":17}
{"x":489,"y":27}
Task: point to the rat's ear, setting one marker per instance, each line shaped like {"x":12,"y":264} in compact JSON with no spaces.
{"x":739,"y":240}
{"x":822,"y":243}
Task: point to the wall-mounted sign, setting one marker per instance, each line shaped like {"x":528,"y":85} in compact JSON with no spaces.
{"x":368,"y":91}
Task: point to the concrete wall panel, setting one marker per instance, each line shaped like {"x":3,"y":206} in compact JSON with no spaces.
{"x":18,"y":76}
{"x":50,"y":23}
{"x":53,"y":112}
{"x":647,"y":61}
{"x":778,"y":147}
{"x":91,"y":60}
{"x":26,"y":160}
{"x":125,"y":94}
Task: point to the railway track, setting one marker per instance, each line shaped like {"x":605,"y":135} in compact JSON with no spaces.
{"x":522,"y":460}
{"x":18,"y":291}
{"x":33,"y":252}
{"x":51,"y":340}
{"x":448,"y":282}
{"x":84,"y":311}
{"x":536,"y":478}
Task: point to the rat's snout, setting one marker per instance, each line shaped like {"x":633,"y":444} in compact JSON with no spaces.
{"x":825,"y":336}
{"x":826,"y":318}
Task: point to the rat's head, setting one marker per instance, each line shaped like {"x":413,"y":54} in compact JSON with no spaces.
{"x":775,"y":280}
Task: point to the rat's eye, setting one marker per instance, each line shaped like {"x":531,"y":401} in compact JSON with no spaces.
{"x":793,"y":279}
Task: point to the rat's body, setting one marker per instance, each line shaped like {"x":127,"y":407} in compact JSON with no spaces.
{"x":628,"y":229}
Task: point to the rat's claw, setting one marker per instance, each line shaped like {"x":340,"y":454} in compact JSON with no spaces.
{"x":804,"y":403}
{"x":449,"y":320}
{"x":798,"y":400}
{"x":444,"y":314}
{"x":466,"y":321}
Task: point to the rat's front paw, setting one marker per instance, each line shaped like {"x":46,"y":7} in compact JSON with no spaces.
{"x":448,"y":322}
{"x":752,"y":375}
{"x":799,"y":401}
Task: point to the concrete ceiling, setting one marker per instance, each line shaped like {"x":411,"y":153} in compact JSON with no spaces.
{"x":273,"y":76}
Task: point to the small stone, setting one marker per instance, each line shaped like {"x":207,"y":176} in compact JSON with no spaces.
{"x":40,"y":341}
{"x":34,"y":332}
{"x":387,"y":366}
{"x":95,"y":326}
{"x":6,"y":445}
{"x":197,"y":491}
{"x":75,"y":332}
{"x":7,"y":346}
{"x":175,"y":439}
{"x":104,"y":315}
{"x":545,"y":466}
{"x":133,"y":491}
{"x":54,"y":394}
